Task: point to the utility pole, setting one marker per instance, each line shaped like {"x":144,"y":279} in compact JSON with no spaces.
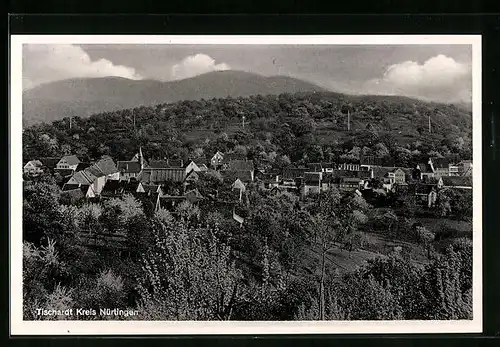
{"x":348,"y":121}
{"x":243,"y":121}
{"x":70,"y":119}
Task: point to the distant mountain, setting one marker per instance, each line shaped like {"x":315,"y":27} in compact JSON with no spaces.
{"x":83,"y":97}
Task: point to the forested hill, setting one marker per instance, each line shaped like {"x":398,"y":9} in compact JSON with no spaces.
{"x":302,"y":126}
{"x":83,"y":97}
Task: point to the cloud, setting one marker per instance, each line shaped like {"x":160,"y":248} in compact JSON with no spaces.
{"x":194,"y":65}
{"x":440,"y":78}
{"x":44,"y":63}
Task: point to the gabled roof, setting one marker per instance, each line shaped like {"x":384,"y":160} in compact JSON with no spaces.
{"x":71,"y":159}
{"x":94,"y":170}
{"x":151,"y":175}
{"x":106,"y":165}
{"x":129,"y":166}
{"x":457,"y":181}
{"x":241,"y":165}
{"x":202,"y":167}
{"x":83,"y":177}
{"x":35,"y":163}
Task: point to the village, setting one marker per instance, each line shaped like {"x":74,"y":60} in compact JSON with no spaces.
{"x":166,"y":182}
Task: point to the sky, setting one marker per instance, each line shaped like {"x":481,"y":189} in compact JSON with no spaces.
{"x":429,"y":72}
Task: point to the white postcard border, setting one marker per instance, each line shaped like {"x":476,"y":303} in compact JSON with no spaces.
{"x":20,"y":327}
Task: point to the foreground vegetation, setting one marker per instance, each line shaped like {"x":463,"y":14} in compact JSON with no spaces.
{"x":284,"y":263}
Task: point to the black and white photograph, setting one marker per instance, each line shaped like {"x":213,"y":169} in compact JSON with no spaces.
{"x":245,"y":184}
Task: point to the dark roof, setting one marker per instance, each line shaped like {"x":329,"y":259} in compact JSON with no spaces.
{"x":443,"y":163}
{"x":316,"y":167}
{"x":71,"y":159}
{"x":293,"y":172}
{"x":64,"y":172}
{"x":50,"y":162}
{"x":241,"y":165}
{"x":129,"y":166}
{"x":312,"y":178}
{"x":228,"y":157}
{"x":454,"y":181}
{"x":82,"y":166}
{"x":151,"y":175}
{"x":69,"y":187}
{"x":166,"y":163}
{"x":112,"y":187}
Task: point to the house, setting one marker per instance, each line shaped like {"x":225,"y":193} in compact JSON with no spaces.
{"x":107,"y":166}
{"x":426,"y":194}
{"x":216,"y":160}
{"x":129,"y":169}
{"x":33,"y":168}
{"x":457,"y":182}
{"x":192,"y":177}
{"x":311,"y":183}
{"x":68,"y":162}
{"x":113,"y":189}
{"x":92,"y":177}
{"x":445,"y":166}
{"x":160,"y":176}
{"x":348,"y":165}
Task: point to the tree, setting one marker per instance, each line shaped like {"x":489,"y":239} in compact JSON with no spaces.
{"x":42,"y":217}
{"x":188,"y":211}
{"x":187,"y":275}
{"x":425,"y":237}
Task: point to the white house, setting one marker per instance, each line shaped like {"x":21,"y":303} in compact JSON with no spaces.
{"x":33,"y":167}
{"x":68,"y":162}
